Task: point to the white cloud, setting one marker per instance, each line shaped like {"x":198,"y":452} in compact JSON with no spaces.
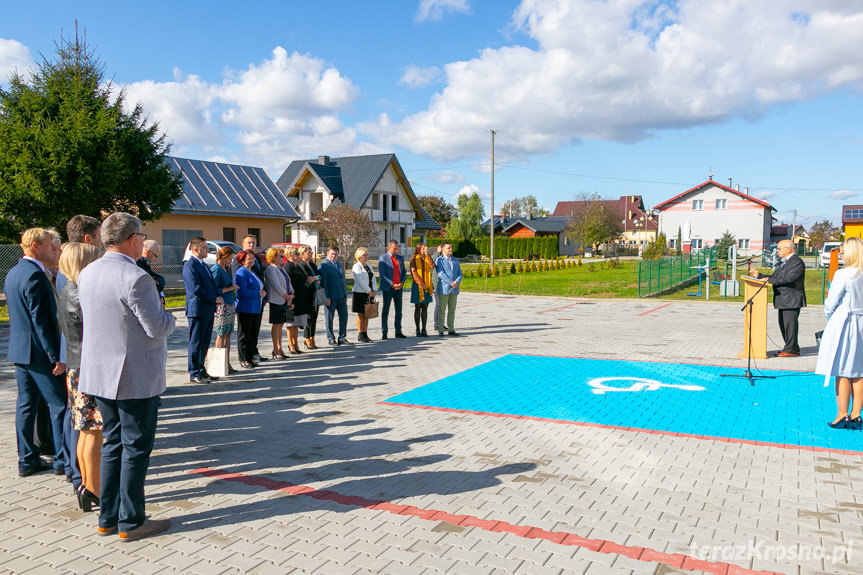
{"x":446,"y":177}
{"x":622,"y":69}
{"x":436,"y":9}
{"x":182,"y":108}
{"x":766,"y":196}
{"x":416,"y":77}
{"x":842,"y":195}
{"x":14,"y":56}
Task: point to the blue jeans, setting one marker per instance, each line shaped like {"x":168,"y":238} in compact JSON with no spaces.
{"x":395,"y":297}
{"x":339,"y":306}
{"x":128,"y":431}
{"x":35,"y":381}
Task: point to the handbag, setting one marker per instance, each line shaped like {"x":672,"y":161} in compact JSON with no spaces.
{"x":320,"y":297}
{"x":216,"y":362}
{"x":370,"y":310}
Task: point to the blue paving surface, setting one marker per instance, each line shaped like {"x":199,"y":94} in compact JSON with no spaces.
{"x":791,"y":409}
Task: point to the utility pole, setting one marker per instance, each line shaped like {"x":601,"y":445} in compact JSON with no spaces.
{"x":491,"y":236}
{"x":793,"y":227}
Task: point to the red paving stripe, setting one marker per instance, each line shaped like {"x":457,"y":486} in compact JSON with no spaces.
{"x":633,"y":429}
{"x":654,"y":309}
{"x":684,"y":562}
{"x":561,"y":307}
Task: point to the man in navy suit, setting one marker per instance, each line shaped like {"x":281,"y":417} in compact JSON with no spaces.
{"x":333,"y":282}
{"x":391,"y":268}
{"x":34,"y":348}
{"x":201,"y":299}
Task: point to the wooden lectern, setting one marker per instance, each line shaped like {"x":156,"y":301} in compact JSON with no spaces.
{"x":758,"y":317}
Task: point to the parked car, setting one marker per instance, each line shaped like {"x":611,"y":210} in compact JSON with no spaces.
{"x":212,"y":248}
{"x":282,"y":246}
{"x":824,"y":255}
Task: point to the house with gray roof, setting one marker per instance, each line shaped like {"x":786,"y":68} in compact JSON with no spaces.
{"x":375,"y":184}
{"x":223,"y":202}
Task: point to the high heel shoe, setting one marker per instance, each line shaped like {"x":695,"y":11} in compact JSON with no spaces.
{"x":86,"y":500}
{"x":844,"y":423}
{"x":279,"y":356}
{"x":295,"y":351}
{"x":312,"y":343}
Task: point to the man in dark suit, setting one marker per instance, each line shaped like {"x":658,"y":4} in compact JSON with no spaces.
{"x":333,"y":282}
{"x":34,"y":348}
{"x":391,"y":268}
{"x":152,"y":250}
{"x":789,"y":295}
{"x":201,"y":299}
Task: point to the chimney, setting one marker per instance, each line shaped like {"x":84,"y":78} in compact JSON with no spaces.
{"x":729,"y":182}
{"x":324,"y":160}
{"x":746,"y":190}
{"x":737,"y":187}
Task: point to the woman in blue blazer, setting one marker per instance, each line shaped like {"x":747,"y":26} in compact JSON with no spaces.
{"x":250,"y":290}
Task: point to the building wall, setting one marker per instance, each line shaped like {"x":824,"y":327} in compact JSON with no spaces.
{"x":212,"y":227}
{"x":743,"y":218}
{"x":522,"y":232}
{"x":854,"y":230}
{"x":398,"y":225}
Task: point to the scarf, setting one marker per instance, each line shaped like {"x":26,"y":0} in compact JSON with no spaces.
{"x":423,"y":267}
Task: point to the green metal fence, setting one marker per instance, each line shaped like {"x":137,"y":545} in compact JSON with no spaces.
{"x":658,"y":275}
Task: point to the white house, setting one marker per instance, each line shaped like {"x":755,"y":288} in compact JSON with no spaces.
{"x":704,"y":213}
{"x":374,"y":184}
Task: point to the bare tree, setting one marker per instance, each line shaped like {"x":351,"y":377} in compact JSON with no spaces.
{"x":346,"y":227}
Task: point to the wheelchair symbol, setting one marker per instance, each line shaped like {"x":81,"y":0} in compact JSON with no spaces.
{"x":638,"y":384}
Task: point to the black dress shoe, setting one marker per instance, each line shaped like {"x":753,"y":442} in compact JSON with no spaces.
{"x":199,"y":379}
{"x":401,"y":336}
{"x":383,"y":337}
{"x":30,"y":470}
{"x":208,"y":376}
{"x":345,"y":342}
{"x":425,"y":333}
{"x":453,"y":333}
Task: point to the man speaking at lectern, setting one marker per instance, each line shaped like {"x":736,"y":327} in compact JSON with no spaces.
{"x":788,"y":295}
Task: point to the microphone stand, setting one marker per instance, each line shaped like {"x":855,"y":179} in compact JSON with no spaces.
{"x":748,"y":373}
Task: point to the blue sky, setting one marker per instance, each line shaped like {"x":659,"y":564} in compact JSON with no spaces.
{"x":608,"y":97}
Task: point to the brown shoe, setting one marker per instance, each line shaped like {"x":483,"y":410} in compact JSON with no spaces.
{"x":149,"y":527}
{"x":786,"y":354}
{"x":105,"y":531}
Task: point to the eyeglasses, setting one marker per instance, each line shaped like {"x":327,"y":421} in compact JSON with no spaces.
{"x":143,"y":236}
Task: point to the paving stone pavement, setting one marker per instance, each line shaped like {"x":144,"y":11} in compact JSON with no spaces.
{"x":298,"y":467}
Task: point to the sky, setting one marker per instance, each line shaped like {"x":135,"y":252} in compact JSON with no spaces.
{"x":605,"y":97}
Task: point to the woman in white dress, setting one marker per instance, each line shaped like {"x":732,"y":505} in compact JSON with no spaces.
{"x":841,"y":351}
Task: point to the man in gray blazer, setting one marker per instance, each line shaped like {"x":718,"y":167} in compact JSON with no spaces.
{"x":123,"y":365}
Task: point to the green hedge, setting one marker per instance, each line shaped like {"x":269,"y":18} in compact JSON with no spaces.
{"x":504,"y":248}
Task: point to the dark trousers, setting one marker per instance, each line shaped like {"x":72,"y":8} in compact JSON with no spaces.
{"x":248,"y":327}
{"x":42,"y":434}
{"x":393,"y":296}
{"x":35,"y":382}
{"x":309,"y":330}
{"x":340,"y":307}
{"x":788,"y":326}
{"x":128,"y":431}
{"x":421,"y":314}
{"x":259,"y":317}
{"x":200,"y":336}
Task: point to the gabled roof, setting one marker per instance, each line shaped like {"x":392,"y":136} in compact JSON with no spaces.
{"x":666,"y":203}
{"x":351,"y":179}
{"x":214,"y":188}
{"x":548,"y":224}
{"x":626,"y":208}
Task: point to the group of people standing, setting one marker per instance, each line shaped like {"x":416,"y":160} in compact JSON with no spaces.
{"x":102,"y":378}
{"x":239,"y":285}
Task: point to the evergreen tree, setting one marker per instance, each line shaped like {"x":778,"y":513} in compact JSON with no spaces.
{"x":726,"y":241}
{"x":68,"y":146}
